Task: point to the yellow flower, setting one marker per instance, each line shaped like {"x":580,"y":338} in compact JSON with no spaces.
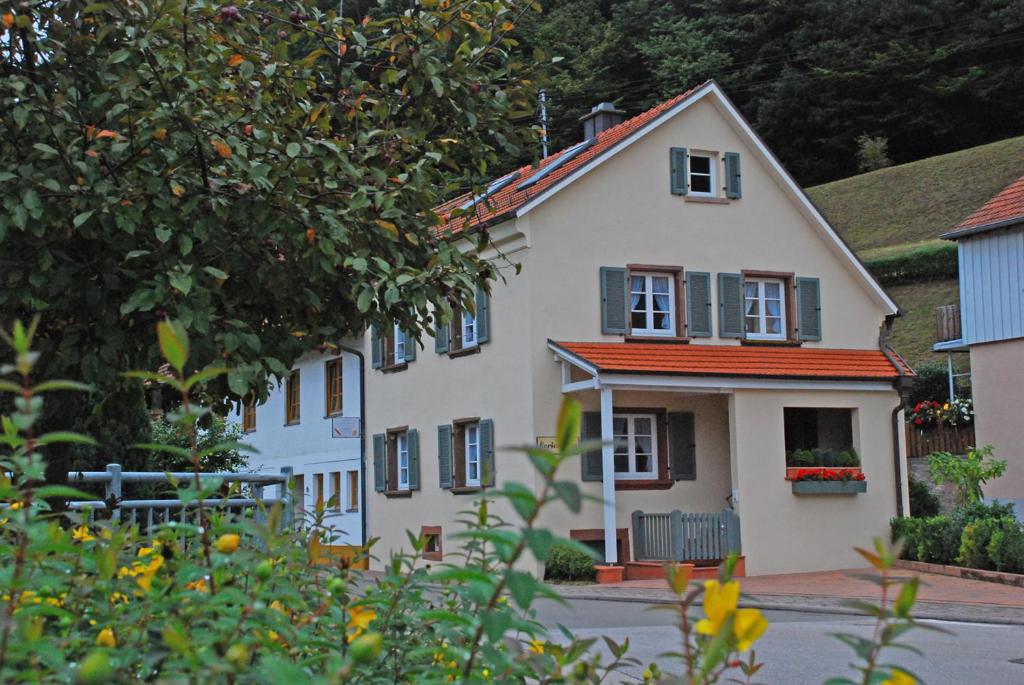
{"x":118,"y":597}
{"x":81,"y":534}
{"x":227,"y":543}
{"x":946,"y":407}
{"x":360,"y":620}
{"x":486,"y":673}
{"x":106,"y":638}
{"x":536,"y":646}
{"x":900,"y":678}
{"x":719,"y":602}
{"x":198,"y":585}
{"x":748,"y":626}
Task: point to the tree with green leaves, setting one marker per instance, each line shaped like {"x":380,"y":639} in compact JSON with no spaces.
{"x":264,"y":172}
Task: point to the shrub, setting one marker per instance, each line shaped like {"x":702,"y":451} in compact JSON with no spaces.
{"x":967,"y":473}
{"x":872,"y":152}
{"x":939,"y":540}
{"x":847,"y":458}
{"x":801,"y":458}
{"x":983,"y":510}
{"x":824,"y":456}
{"x":923,"y":502}
{"x":909,"y":531}
{"x":1006,"y":549}
{"x":975,"y":539}
{"x":567,"y":562}
{"x":932,"y":381}
{"x":926,"y":263}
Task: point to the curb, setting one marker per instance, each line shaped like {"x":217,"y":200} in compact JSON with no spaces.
{"x":1003,"y":578}
{"x":964,"y":613}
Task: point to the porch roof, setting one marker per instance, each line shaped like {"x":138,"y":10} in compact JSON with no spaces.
{"x":735,"y":361}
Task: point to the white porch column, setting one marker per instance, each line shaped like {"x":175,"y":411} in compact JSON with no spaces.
{"x":608,"y":476}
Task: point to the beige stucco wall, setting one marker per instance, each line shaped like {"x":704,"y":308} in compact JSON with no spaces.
{"x":785,"y":533}
{"x":997,"y":382}
{"x":623,"y":212}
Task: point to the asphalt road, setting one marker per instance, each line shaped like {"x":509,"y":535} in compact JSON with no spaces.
{"x":799,"y":650}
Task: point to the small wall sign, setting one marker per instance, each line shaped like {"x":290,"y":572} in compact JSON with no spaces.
{"x":549,"y":442}
{"x":345,"y":427}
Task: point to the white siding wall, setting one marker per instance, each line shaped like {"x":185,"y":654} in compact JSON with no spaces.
{"x":308,"y":446}
{"x":992,"y":286}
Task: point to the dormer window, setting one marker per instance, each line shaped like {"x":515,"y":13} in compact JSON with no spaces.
{"x":702,"y":174}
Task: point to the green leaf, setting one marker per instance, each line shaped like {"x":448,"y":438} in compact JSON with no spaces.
{"x":46,"y":149}
{"x":215,"y":272}
{"x":64,"y":491}
{"x":569,"y":417}
{"x":292,"y":150}
{"x":136,"y":253}
{"x":523,"y":587}
{"x":169,"y":449}
{"x":569,"y":492}
{"x":65,"y":437}
{"x":206,"y":374}
{"x":173,"y":343}
{"x":50,"y":386}
{"x":83,"y":217}
{"x":181,"y":282}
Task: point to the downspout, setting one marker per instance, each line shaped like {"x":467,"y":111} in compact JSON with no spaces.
{"x":362,"y":439}
{"x":901,"y":385}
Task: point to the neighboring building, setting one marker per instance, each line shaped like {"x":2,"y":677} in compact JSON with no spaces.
{"x":312,"y":423}
{"x":990,"y":244}
{"x":678,"y":282}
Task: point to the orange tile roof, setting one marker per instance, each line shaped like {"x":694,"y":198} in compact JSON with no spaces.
{"x":737,"y":361}
{"x":511,"y":197}
{"x":1003,"y":209}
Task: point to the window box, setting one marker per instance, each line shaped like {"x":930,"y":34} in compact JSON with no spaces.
{"x":795,"y":472}
{"x":829,"y":487}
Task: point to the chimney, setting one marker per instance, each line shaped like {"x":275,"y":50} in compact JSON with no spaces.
{"x":601,"y":118}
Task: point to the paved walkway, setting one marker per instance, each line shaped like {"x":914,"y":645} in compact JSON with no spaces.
{"x":940,"y":597}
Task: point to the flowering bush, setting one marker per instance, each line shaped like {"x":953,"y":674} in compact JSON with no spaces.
{"x":234,"y":599}
{"x":956,"y":412}
{"x":831,"y":475}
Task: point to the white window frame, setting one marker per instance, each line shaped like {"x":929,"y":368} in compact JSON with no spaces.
{"x":399,"y":343}
{"x":402,"y":452}
{"x":468,"y":324}
{"x":633,"y":474}
{"x":472,"y":451}
{"x":712,"y":174}
{"x":649,"y":330}
{"x":762,"y":311}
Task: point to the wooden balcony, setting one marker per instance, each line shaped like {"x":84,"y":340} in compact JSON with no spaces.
{"x":947,"y":323}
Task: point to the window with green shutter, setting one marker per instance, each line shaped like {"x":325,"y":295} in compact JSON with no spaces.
{"x":733,"y":187}
{"x":380,"y":479}
{"x":698,"y":304}
{"x":467,"y":329}
{"x":614,"y":299}
{"x":730,"y":305}
{"x":590,"y":460}
{"x":413,"y":442}
{"x":445,"y":466}
{"x":808,"y":307}
{"x":682,"y":445}
{"x":679,"y":170}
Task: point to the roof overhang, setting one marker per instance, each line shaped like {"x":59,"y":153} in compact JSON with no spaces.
{"x":695,"y":383}
{"x":958,"y":233}
{"x":712,"y":89}
{"x":957,"y":345}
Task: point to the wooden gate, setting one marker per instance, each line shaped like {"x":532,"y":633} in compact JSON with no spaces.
{"x":678,"y":536}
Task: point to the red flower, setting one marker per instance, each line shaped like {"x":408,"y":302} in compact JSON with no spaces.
{"x":919,"y":421}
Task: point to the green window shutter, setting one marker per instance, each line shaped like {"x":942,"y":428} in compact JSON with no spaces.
{"x":412,"y":438}
{"x":376,"y":348}
{"x":483,"y":316}
{"x":487,"y":452}
{"x":614,"y":298}
{"x":733,"y":188}
{"x":591,"y":459}
{"x":679,"y":165}
{"x":698,"y":304}
{"x":410,"y":347}
{"x":444,"y":456}
{"x":379,"y":460}
{"x":440,"y":337}
{"x":808,"y":308}
{"x":682,"y":445}
{"x":730,"y":305}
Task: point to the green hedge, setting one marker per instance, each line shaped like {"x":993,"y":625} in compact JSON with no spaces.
{"x":569,"y":563}
{"x":927,"y":263}
{"x":980,"y":536}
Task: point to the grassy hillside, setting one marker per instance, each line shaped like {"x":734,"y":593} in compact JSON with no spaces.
{"x":901,"y":209}
{"x":911,"y":204}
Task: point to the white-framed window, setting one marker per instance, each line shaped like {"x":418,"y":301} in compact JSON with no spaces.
{"x":468,"y":329}
{"x":652,"y":304}
{"x":636,"y":446}
{"x":472,"y":432}
{"x":703,"y":171}
{"x":402,"y":454}
{"x":764,"y":306}
{"x":400,"y":342}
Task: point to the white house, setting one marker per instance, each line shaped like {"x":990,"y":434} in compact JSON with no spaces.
{"x":313,"y":423}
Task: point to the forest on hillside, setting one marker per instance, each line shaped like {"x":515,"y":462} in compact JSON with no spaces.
{"x":928,"y":76}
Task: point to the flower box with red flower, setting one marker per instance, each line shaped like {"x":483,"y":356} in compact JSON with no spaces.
{"x":806,"y":472}
{"x":829,"y":481}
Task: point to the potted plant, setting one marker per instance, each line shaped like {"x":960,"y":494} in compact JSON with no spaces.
{"x":820,"y":461}
{"x":836,"y":481}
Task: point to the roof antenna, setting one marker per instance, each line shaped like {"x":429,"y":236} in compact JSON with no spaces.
{"x":544,"y":123}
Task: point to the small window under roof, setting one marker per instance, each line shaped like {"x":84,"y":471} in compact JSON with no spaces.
{"x":491,"y":190}
{"x":565,"y":158}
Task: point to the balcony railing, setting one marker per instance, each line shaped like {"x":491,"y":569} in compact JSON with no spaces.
{"x":947,"y":323}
